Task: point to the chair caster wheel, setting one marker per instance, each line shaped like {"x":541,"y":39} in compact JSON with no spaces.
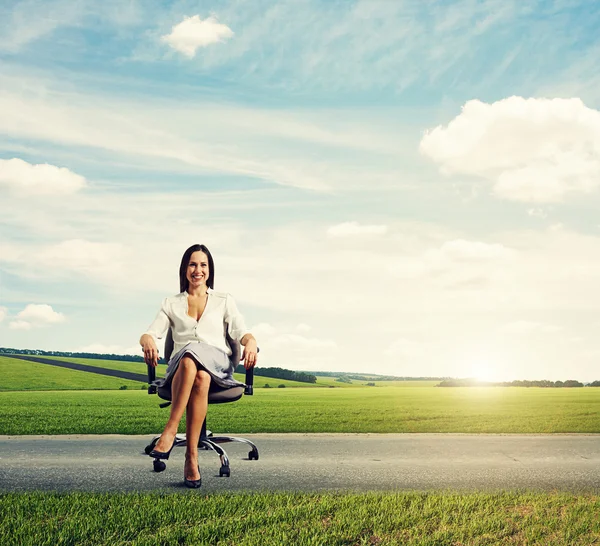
{"x":159,"y":466}
{"x":148,"y":449}
{"x":224,"y":471}
{"x":253,"y":455}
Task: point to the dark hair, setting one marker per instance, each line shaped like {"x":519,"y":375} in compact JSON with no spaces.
{"x":185,"y":261}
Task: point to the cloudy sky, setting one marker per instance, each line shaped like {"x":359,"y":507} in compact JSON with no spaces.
{"x":402,"y":187}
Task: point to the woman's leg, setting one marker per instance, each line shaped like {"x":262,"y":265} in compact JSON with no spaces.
{"x":183,"y":382}
{"x":194,"y":418}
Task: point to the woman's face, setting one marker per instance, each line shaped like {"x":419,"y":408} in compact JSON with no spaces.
{"x":197,"y":271}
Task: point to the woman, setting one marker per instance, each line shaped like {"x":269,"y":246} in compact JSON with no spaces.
{"x":197,"y":317}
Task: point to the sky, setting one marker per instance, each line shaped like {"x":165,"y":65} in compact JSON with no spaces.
{"x":404,"y":187}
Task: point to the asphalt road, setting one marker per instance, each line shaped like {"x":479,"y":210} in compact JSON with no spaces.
{"x":304,"y":462}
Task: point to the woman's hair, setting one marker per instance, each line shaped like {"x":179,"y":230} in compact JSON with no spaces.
{"x":185,"y":261}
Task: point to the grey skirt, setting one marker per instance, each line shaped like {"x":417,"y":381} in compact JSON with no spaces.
{"x":216,"y":362}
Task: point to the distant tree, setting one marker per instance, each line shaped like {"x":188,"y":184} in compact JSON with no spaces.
{"x":282,"y":386}
{"x":123,"y":358}
{"x":594,"y":384}
{"x":267,"y":386}
{"x":344,"y":379}
{"x":370,"y":384}
{"x":281,"y":373}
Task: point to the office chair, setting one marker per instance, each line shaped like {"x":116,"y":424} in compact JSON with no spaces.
{"x":216,"y":395}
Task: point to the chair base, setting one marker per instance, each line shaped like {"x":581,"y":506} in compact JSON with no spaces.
{"x":207,"y":442}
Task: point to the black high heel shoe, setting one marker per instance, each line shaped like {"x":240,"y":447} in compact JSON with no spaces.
{"x":162,"y":454}
{"x":193,"y":484}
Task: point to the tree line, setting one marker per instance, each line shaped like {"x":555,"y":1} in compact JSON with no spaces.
{"x":281,"y":373}
{"x":570,"y":383}
{"x":39,"y":352}
{"x":371,"y":377}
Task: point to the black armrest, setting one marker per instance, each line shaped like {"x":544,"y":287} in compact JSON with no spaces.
{"x":249,"y":390}
{"x":151,"y":378}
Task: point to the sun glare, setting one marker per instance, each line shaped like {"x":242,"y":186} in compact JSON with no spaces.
{"x":485,"y":368}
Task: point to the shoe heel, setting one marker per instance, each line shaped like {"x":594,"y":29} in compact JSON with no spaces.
{"x":163,"y":455}
{"x":193,"y":484}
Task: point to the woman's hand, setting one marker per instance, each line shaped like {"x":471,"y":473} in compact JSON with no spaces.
{"x":250,"y":351}
{"x":150,"y":350}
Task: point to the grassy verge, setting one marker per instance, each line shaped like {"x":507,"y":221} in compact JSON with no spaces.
{"x":407,"y":518}
{"x":21,"y":375}
{"x":391,"y":409}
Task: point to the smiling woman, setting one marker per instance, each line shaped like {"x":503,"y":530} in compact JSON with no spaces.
{"x":199,"y":319}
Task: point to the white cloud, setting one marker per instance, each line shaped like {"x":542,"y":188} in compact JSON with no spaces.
{"x":264,"y":329}
{"x":3,"y":313}
{"x":200,"y":136}
{"x":278,"y":338}
{"x":19,"y":325}
{"x":404,"y":348}
{"x":280,"y":347}
{"x":99,"y":261}
{"x":454,"y":264}
{"x":303,"y":328}
{"x":463,"y":250}
{"x":26,"y":21}
{"x":193,"y":33}
{"x":525,"y":327}
{"x":532,"y":150}
{"x":25,"y":179}
{"x":348,"y":229}
{"x":84,"y":256}
{"x":537,"y":212}
{"x":35,"y":316}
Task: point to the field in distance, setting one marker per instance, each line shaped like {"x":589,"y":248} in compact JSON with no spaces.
{"x":25,"y":375}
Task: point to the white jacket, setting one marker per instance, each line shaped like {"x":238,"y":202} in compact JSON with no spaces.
{"x":221,"y":314}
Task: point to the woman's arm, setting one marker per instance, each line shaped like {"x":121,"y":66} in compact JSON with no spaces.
{"x":238,"y":331}
{"x":150,"y":349}
{"x":250,"y":350}
{"x":156,"y":330}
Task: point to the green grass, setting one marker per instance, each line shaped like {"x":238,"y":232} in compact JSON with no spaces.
{"x":22,"y":375}
{"x":133,"y":367}
{"x":391,"y":409}
{"x":407,"y":518}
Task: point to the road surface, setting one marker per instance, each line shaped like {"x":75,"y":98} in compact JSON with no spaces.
{"x":311,"y":462}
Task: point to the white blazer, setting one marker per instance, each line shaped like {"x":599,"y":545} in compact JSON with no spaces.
{"x":220,"y":314}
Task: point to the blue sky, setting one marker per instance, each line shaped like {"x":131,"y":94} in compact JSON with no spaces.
{"x":400,"y":187}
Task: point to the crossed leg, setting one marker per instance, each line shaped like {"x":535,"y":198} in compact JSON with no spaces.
{"x":188,"y":390}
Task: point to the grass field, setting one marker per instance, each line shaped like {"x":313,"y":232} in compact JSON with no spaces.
{"x":134,"y":367}
{"x":382,"y":409}
{"x":407,"y":518}
{"x":21,"y":375}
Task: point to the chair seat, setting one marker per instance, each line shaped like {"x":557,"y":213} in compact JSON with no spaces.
{"x":226,"y":395}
